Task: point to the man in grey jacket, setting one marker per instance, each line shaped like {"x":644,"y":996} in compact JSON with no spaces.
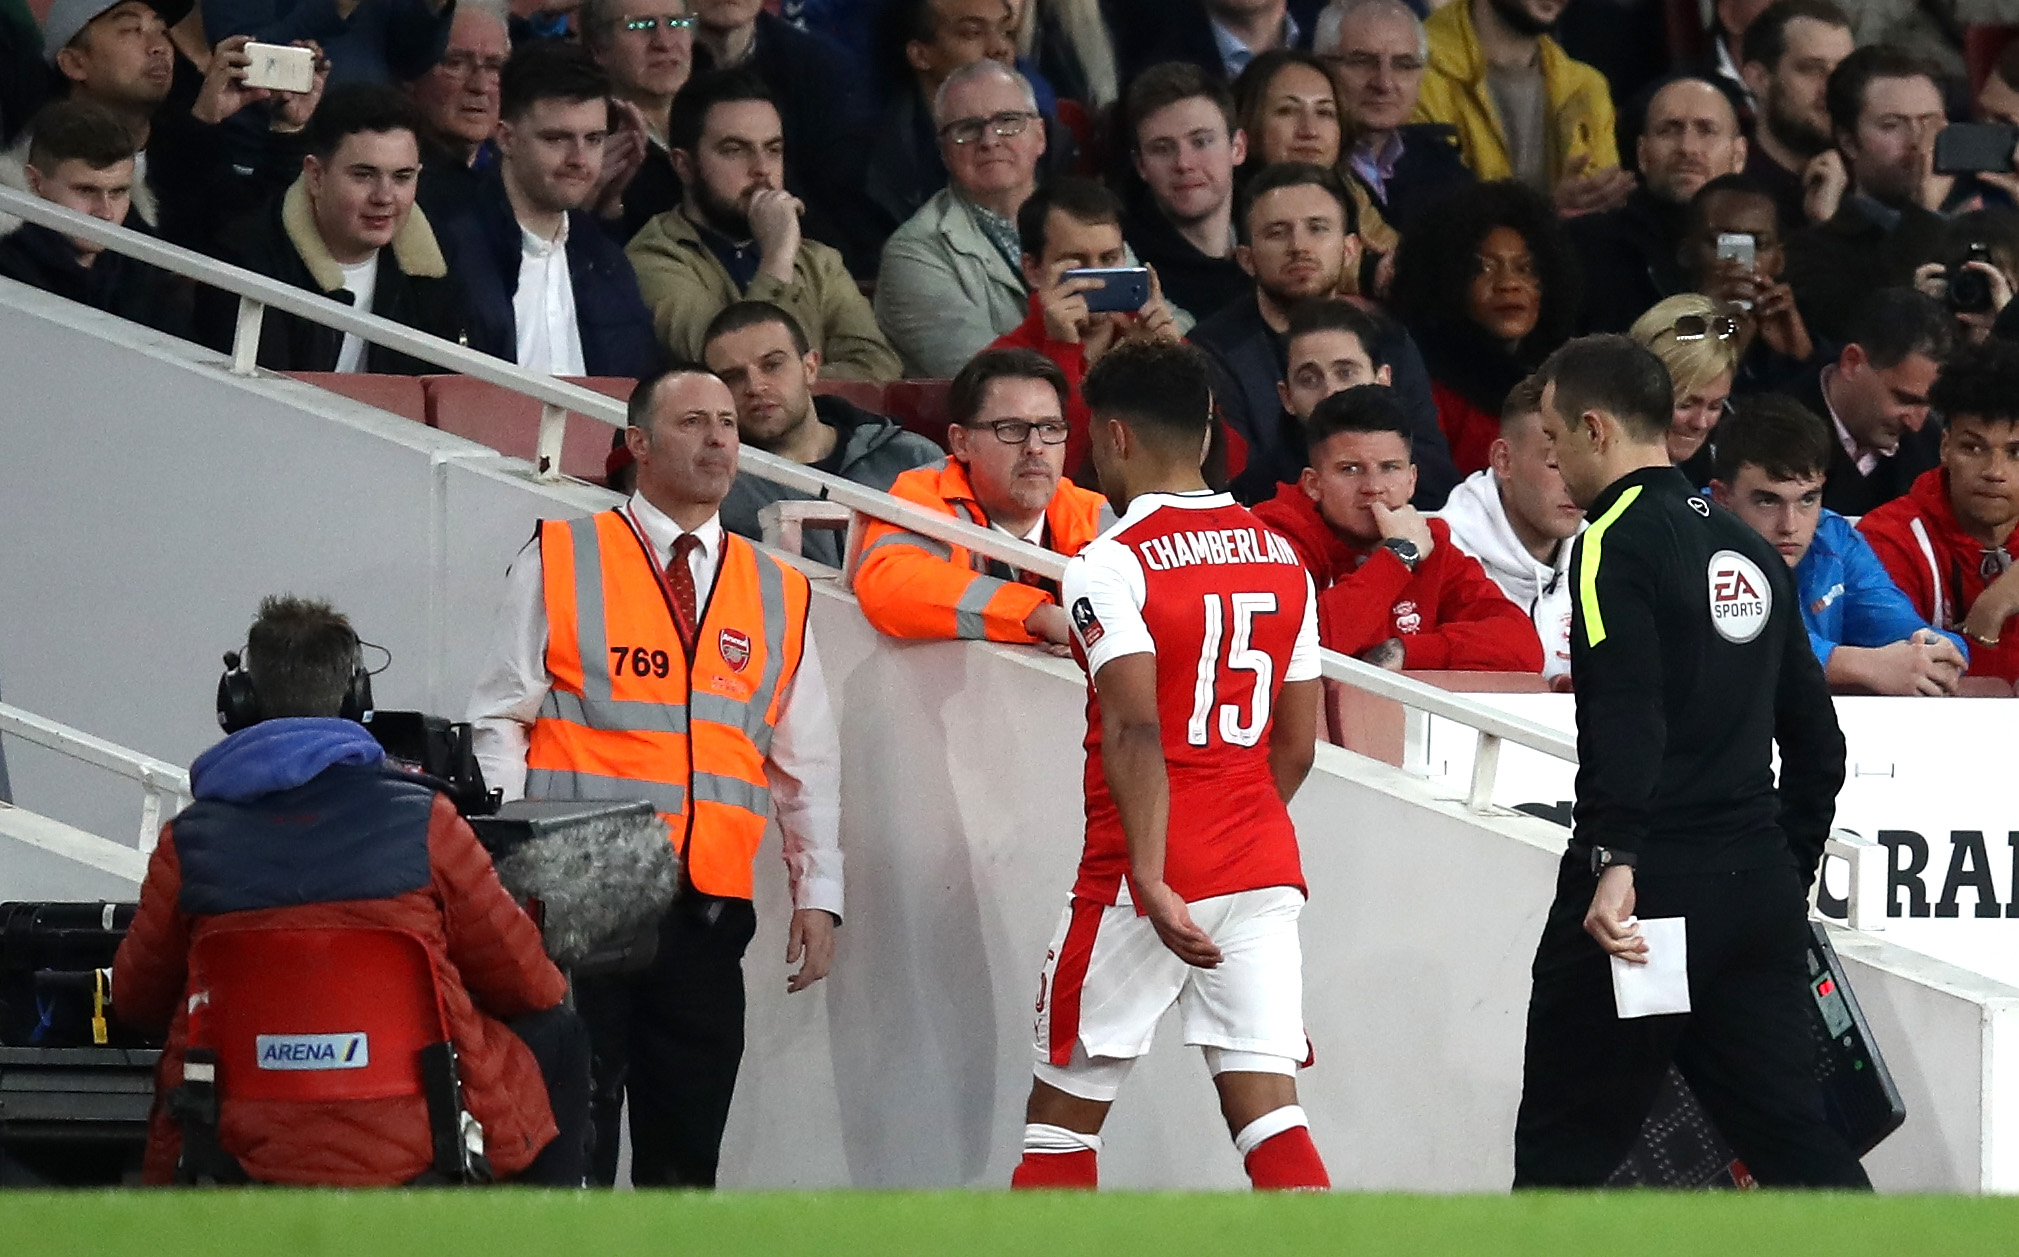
{"x":762,"y":354}
{"x":1517,"y":519}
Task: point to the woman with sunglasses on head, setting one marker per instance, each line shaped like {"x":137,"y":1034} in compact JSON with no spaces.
{"x":1488,"y":285}
{"x":1289,"y":110}
{"x":1700,"y":342}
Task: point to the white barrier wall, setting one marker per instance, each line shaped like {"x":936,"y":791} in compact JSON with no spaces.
{"x":150,"y":499}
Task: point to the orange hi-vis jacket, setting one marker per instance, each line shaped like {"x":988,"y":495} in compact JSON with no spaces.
{"x":629,"y":716}
{"x":914,"y":586}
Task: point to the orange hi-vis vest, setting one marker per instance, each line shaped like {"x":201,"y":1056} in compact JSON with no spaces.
{"x":913,"y":586}
{"x":630,"y":716}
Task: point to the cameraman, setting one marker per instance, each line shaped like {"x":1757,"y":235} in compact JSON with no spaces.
{"x":299,"y":822}
{"x":1975,"y":274}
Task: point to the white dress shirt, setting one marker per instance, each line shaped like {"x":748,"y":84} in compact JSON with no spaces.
{"x":803,"y":768}
{"x":543,"y":308}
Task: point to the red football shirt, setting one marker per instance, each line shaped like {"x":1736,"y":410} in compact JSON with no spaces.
{"x":1229,"y":613}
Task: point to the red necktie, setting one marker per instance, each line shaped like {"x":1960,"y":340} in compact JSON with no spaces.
{"x":680,"y":578}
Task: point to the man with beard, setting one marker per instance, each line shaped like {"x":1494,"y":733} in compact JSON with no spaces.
{"x":735,"y":236}
{"x":1791,"y":49}
{"x":1885,"y":111}
{"x":546,"y":287}
{"x":1006,"y":473}
{"x":1629,"y":254}
{"x":1296,"y":243}
{"x":1522,"y":107}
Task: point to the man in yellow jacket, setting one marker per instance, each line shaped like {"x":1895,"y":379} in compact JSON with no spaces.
{"x":1008,"y":438}
{"x":1523,"y":108}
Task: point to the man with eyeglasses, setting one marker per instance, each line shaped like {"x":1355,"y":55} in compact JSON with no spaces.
{"x":1376,"y":51}
{"x":647,"y":49}
{"x":457,"y":101}
{"x":951,"y":279}
{"x":1008,"y":438}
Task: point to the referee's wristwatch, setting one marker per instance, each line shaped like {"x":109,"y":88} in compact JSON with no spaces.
{"x":1603,"y":858}
{"x":1403,"y":549}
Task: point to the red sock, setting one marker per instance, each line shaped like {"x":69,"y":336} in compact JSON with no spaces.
{"x":1287,"y":1161}
{"x":1072,"y":1171}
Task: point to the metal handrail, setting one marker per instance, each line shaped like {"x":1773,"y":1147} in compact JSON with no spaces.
{"x":160,"y":781}
{"x":255,"y":292}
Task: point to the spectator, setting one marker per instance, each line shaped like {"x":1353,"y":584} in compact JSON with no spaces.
{"x":762,"y":355}
{"x":1947,"y":543}
{"x":1074,"y":224}
{"x":950,"y":281}
{"x":647,"y":48}
{"x":1488,"y":285}
{"x":1630,"y":254}
{"x":1875,"y":396}
{"x":1984,"y":245}
{"x":1523,"y":109}
{"x":368,"y":41}
{"x":1791,"y":49}
{"x":1220,"y":37}
{"x":1517,"y":519}
{"x":925,"y":42}
{"x":82,"y":159}
{"x":1998,"y":99}
{"x":457,"y":100}
{"x":1008,"y":439}
{"x":1770,"y":461}
{"x":1699,"y":343}
{"x":1185,"y":142}
{"x":1298,"y":243}
{"x":820,"y":106}
{"x":1068,"y":41}
{"x":299,"y":823}
{"x":1392,"y":589}
{"x":348,"y":230}
{"x":1775,"y":348}
{"x":1376,"y":51}
{"x":118,"y":56}
{"x":1730,"y":20}
{"x":1289,"y":110}
{"x":547,"y":287}
{"x":736,"y":235}
{"x":1885,"y":111}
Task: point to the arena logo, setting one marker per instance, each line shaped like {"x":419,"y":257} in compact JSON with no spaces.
{"x":313,"y":1051}
{"x":1741,"y":599}
{"x":1969,"y":873}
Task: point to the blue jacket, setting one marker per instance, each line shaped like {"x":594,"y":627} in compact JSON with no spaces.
{"x":483,"y":245}
{"x":1848,"y":599}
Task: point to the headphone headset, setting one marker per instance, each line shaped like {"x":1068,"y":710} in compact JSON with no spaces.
{"x":238,"y":701}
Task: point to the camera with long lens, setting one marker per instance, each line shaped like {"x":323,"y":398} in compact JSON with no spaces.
{"x":1970,"y":290}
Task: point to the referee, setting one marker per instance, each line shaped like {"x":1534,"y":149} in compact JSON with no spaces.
{"x":1690,"y":664}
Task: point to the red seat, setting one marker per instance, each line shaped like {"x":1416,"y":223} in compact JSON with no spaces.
{"x":919,"y":405}
{"x":1982,"y":46}
{"x":509,"y":422}
{"x":1086,"y":133}
{"x":403,"y":395}
{"x":867,"y":394}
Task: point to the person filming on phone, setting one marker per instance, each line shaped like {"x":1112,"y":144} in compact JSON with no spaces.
{"x":1733,"y":251}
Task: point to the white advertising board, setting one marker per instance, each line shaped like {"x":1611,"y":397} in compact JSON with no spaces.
{"x":1931,"y":779}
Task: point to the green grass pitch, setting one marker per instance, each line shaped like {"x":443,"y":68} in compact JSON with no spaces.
{"x":504,"y":1223}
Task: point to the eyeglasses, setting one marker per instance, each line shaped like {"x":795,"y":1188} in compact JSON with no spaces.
{"x":1692,"y":327}
{"x":463,"y":64}
{"x":646,"y":25}
{"x":968,"y":130}
{"x":1018,"y":431}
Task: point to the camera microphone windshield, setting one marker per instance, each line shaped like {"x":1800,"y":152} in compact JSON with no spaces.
{"x":598,"y":876}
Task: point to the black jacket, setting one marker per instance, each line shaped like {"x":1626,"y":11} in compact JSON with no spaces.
{"x":1834,"y":266}
{"x":118,"y":285}
{"x":611,"y":317}
{"x":1249,"y":359}
{"x":1147,"y":32}
{"x":1199,"y":285}
{"x":1429,"y":169}
{"x":1629,"y":259}
{"x":1848,"y":491}
{"x":413,"y":287}
{"x":1692,"y":664}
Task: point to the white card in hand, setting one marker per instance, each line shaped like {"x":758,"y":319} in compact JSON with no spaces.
{"x":1662,"y":985}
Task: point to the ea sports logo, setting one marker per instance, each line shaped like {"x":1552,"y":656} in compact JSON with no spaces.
{"x":1741,"y":599}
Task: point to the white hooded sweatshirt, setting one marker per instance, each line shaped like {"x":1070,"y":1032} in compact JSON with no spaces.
{"x":1478,"y":521}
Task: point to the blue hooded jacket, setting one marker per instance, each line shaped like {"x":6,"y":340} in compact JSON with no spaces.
{"x":1848,"y":599}
{"x":300,"y":810}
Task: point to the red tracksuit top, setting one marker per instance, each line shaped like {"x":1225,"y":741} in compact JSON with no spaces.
{"x":1940,"y":567}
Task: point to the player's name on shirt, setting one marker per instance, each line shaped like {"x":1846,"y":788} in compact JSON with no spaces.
{"x":1218,"y":545}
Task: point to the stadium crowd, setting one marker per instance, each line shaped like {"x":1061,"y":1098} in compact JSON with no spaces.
{"x":1377,"y":219}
